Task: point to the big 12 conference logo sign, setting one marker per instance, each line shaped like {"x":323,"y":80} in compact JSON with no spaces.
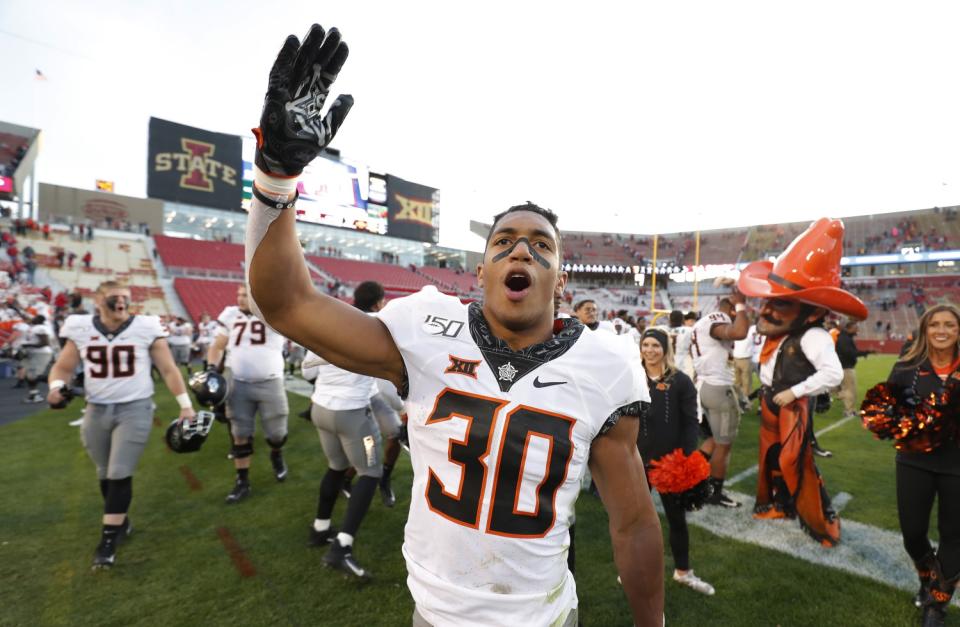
{"x":413,"y":210}
{"x":194,"y":166}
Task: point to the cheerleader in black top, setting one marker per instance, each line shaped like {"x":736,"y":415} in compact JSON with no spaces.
{"x":932,"y":366}
{"x":670,"y":423}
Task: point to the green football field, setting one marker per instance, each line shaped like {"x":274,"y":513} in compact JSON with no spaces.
{"x":193,"y":560}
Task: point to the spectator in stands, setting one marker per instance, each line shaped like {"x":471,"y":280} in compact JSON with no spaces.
{"x":72,"y":256}
{"x":848,"y":353}
{"x":30,"y":265}
{"x":61,"y":257}
{"x":87,"y":258}
{"x":89,"y":232}
{"x":46,"y":230}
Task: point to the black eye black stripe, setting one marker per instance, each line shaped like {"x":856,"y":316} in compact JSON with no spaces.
{"x":533,"y":253}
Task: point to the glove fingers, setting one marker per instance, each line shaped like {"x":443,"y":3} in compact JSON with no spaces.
{"x":280,"y":72}
{"x":308,"y":51}
{"x":327,"y":50}
{"x":332,"y":68}
{"x":336,"y":115}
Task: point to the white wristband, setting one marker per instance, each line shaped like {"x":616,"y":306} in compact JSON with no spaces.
{"x":740,"y":307}
{"x":184,"y":401}
{"x":56,"y":384}
{"x":282,"y":188}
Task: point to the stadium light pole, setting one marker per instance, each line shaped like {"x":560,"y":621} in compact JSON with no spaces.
{"x":696,"y":264}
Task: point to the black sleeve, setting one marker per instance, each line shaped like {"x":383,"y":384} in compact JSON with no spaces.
{"x":846,"y":349}
{"x":687,"y":397}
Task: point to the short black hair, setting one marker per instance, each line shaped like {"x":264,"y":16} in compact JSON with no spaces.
{"x":582,"y":303}
{"x":367,"y":295}
{"x":549,"y":215}
{"x":676,"y":318}
{"x":691,"y":315}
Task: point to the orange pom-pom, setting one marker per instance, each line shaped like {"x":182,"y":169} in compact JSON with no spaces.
{"x":675,"y":472}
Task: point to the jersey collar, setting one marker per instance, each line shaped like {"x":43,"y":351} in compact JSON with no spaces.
{"x":107,"y":333}
{"x":509,"y":366}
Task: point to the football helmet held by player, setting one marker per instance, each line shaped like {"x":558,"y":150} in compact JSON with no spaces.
{"x":209,"y":388}
{"x":187,"y":436}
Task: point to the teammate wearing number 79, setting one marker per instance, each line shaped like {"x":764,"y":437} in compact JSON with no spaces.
{"x":117,"y":349}
{"x":505,"y":409}
{"x":255,"y":374}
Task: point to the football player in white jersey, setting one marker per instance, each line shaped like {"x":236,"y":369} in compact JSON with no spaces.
{"x":504,"y":413}
{"x":117,"y":350}
{"x":37,"y":343}
{"x":181,"y":337}
{"x":711,"y":346}
{"x":206,"y":333}
{"x":255,"y":371}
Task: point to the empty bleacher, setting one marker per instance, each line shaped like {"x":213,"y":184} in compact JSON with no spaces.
{"x":183,"y":256}
{"x":201,"y":296}
{"x":350,"y":272}
{"x":459,"y":282}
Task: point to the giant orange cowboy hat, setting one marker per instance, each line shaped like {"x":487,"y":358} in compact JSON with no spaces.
{"x":807,"y":271}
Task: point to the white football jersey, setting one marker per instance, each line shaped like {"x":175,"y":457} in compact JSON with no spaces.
{"x":206,"y":331}
{"x":254,"y":350}
{"x":335,"y":388}
{"x":681,"y":350}
{"x":711,"y":357}
{"x":499,"y":441}
{"x":22,"y":330}
{"x":39,"y":334}
{"x":180,"y":334}
{"x":116,"y":364}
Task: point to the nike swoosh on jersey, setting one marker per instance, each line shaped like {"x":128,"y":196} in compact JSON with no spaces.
{"x":537,"y":383}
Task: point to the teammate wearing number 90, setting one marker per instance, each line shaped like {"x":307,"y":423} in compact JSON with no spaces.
{"x":505,"y":410}
{"x":117,"y":350}
{"x":255,"y":375}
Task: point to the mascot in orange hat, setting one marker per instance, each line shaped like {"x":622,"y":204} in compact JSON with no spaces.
{"x":797,"y":362}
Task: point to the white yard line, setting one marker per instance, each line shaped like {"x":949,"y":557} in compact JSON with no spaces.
{"x":749,"y":472}
{"x":865,"y":550}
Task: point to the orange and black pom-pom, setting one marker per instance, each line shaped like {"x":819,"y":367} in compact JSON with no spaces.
{"x":675,"y":472}
{"x":916,"y":425}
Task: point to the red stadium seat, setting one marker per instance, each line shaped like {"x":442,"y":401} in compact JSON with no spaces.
{"x":201,"y":296}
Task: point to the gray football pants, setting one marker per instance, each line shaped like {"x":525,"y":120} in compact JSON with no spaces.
{"x":349,"y":437}
{"x":249,"y":397}
{"x":115,"y":435}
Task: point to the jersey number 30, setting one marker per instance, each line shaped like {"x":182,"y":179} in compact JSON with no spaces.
{"x":505,"y":519}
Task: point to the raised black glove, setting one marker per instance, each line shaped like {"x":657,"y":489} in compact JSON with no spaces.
{"x":292,"y":132}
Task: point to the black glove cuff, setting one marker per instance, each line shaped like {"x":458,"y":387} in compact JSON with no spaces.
{"x":273,"y":202}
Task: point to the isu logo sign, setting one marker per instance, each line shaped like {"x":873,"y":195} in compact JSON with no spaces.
{"x":197,"y":166}
{"x":414,"y":210}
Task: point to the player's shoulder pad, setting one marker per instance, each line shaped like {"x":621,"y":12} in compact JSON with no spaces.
{"x":229,"y":312}
{"x":75,"y":322}
{"x":151,"y":325}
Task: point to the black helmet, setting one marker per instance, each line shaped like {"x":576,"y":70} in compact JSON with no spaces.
{"x":189,"y":435}
{"x":209,"y":388}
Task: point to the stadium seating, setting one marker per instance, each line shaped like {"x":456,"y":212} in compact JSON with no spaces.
{"x":122,"y":259}
{"x":11,"y":147}
{"x":201,"y":296}
{"x":350,"y":272}
{"x":190,"y":256}
{"x":459,"y":282}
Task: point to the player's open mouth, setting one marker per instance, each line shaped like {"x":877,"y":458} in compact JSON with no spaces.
{"x":517,"y":284}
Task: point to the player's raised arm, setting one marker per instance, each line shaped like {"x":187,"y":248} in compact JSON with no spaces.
{"x":292,"y":132}
{"x":634,"y":526}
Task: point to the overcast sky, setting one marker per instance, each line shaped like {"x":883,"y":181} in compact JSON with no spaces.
{"x":637,"y":117}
